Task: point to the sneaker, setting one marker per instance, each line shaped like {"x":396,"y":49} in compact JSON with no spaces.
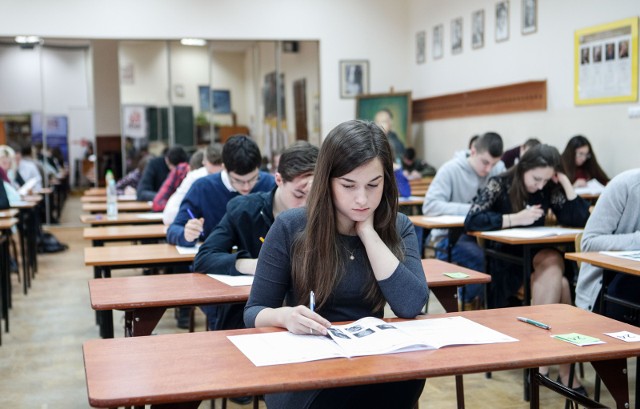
{"x":242,"y":400}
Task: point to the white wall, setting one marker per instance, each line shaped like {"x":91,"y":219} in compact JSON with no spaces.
{"x":544,"y":55}
{"x":106,"y":87}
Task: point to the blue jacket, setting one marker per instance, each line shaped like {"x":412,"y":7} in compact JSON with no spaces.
{"x":208,"y":198}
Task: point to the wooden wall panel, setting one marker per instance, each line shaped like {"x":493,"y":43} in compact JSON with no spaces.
{"x":525,"y":96}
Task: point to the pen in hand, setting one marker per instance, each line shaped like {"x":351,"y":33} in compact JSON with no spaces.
{"x":534,"y":322}
{"x":312,"y":301}
{"x":193,"y":217}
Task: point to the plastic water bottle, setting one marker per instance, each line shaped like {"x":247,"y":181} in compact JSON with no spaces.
{"x":112,"y":196}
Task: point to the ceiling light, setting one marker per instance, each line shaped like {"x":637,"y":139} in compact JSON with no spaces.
{"x":193,"y":41}
{"x":28,"y":39}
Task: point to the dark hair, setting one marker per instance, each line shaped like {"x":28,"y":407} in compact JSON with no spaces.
{"x":176,"y":155}
{"x":213,"y":154}
{"x":317,"y":262}
{"x":531,"y":142}
{"x":142,"y":162}
{"x":410,"y":153}
{"x":489,"y":142}
{"x":296,"y":160}
{"x":473,"y":139}
{"x":591,"y":165}
{"x":25,"y":151}
{"x":539,"y":156}
{"x":195,"y":162}
{"x":241,"y":155}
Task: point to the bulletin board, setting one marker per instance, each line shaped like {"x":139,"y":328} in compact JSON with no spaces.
{"x":606,"y":63}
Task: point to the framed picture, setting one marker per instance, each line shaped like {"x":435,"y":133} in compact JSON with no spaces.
{"x":477,"y":29}
{"x":354,"y":78}
{"x":502,"y":21}
{"x":398,"y":105}
{"x":605,"y":64}
{"x":421,"y":38}
{"x":456,"y":36}
{"x":221,"y":100}
{"x":529,"y":16}
{"x":438,"y":36}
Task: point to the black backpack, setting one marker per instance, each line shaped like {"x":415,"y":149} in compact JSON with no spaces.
{"x":48,"y":243}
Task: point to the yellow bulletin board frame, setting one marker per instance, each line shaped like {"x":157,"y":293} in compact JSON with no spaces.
{"x":584,"y":60}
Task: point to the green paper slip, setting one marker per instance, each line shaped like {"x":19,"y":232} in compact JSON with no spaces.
{"x":578,"y":339}
{"x":457,"y":275}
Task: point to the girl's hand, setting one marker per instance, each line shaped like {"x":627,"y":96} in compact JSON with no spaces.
{"x":580,"y":183}
{"x":302,"y":321}
{"x":364,"y":227}
{"x":528,"y":216}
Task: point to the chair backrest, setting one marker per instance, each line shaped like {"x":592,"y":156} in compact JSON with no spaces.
{"x":578,"y":246}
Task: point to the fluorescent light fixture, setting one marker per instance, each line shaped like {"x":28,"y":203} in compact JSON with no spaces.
{"x":193,"y":41}
{"x":28,"y":40}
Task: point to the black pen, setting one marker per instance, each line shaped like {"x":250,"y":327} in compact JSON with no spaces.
{"x":534,"y":322}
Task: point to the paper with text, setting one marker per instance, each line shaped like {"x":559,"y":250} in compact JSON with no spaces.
{"x":444,"y":219}
{"x":233,"y":281}
{"x":532,"y":232}
{"x":150,"y":216}
{"x":188,"y":250}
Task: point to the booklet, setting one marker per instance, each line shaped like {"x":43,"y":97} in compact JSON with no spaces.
{"x":593,"y":188}
{"x":628,"y":255}
{"x":233,"y":281}
{"x":367,"y":336}
{"x":188,"y":250}
{"x":532,"y":232}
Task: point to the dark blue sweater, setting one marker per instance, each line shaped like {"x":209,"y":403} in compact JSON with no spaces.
{"x":208,"y":198}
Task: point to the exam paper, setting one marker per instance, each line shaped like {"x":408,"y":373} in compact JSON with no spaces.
{"x":233,"y":281}
{"x":532,"y":232}
{"x":150,"y":216}
{"x":629,"y":255}
{"x":444,"y":219}
{"x":188,"y":250}
{"x":593,"y":188}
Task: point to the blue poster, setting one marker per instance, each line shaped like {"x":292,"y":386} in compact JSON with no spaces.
{"x":57,"y":133}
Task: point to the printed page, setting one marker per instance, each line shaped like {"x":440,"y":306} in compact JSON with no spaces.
{"x":593,"y":188}
{"x":532,"y":232}
{"x":629,"y":255}
{"x":445,"y":219}
{"x":233,"y":281}
{"x":373,"y":336}
{"x":188,"y":250}
{"x":440,"y":332}
{"x":150,"y":216}
{"x":278,"y":348}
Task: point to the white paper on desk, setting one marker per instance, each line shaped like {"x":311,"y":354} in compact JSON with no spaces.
{"x":445,"y":219}
{"x":128,"y":198}
{"x":532,"y":232}
{"x":150,"y":216}
{"x":188,"y":250}
{"x":28,"y":185}
{"x":628,"y":255}
{"x":410,"y":198}
{"x":625,"y":336}
{"x":233,"y":281}
{"x":593,"y":188}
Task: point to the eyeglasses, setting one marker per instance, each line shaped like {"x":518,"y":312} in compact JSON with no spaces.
{"x":583,"y":155}
{"x":250,"y":182}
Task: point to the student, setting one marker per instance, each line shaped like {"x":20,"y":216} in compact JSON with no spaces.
{"x":177,"y":161}
{"x":614,"y":224}
{"x":415,"y":168}
{"x":246,"y":223}
{"x":580,"y":162}
{"x":206,"y":202}
{"x":521,"y":197}
{"x":353,"y":249}
{"x":26,"y":168}
{"x":6,"y":168}
{"x":152,"y":178}
{"x":384,"y":119}
{"x":128,"y":184}
{"x":450,"y":193}
{"x":211,"y":163}
{"x":512,"y":156}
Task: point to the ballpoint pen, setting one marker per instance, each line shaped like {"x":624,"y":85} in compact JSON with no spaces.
{"x":312,"y":301}
{"x":534,"y":322}
{"x":193,"y":217}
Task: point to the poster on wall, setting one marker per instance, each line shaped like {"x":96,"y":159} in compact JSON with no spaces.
{"x":57,"y":133}
{"x":606,"y":63}
{"x":134,"y":121}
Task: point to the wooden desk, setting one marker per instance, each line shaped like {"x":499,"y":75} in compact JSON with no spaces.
{"x":8,"y":213}
{"x":606,"y":262}
{"x":454,"y":230}
{"x":28,"y":224}
{"x":101,"y":235}
{"x":122,"y":207}
{"x":103,"y":199}
{"x":122,"y":218}
{"x":445,"y":288}
{"x":96,"y":191}
{"x":6,"y":224}
{"x":180,"y":368}
{"x":526,"y":260}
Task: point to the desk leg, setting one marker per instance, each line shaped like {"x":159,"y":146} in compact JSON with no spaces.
{"x":526,"y":268}
{"x":614,"y":375}
{"x":142,"y":321}
{"x":105,"y":318}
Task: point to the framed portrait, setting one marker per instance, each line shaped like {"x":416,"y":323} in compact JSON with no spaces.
{"x":438,"y":37}
{"x":421,"y":39}
{"x":477,"y":29}
{"x":529,"y":16}
{"x":456,"y":35}
{"x":397,"y":104}
{"x":354,"y":78}
{"x":502,"y":21}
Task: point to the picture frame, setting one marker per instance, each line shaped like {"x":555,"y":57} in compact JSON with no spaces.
{"x":398,"y":104}
{"x":456,"y":36}
{"x":477,"y":29}
{"x":438,"y":40}
{"x":502,"y":21}
{"x":421,"y":53}
{"x":221,"y":99}
{"x":354,"y":78}
{"x":529,"y":16}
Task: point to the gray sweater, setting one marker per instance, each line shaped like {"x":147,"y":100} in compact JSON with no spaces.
{"x":613,"y":225}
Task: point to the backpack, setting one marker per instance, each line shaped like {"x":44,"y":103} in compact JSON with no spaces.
{"x":48,"y":243}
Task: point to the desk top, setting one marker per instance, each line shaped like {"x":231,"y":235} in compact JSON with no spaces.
{"x":187,"y":367}
{"x":149,"y":231}
{"x":96,"y":191}
{"x":103,"y":198}
{"x":434,"y":271}
{"x":411,"y":201}
{"x":8,"y":213}
{"x":420,"y":221}
{"x":122,"y":207}
{"x":609,"y":262}
{"x":134,"y":255}
{"x":122,"y":218}
{"x":565,"y":238}
{"x":7,"y":223}
{"x":23,"y":205}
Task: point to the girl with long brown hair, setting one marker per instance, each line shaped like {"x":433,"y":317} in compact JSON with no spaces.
{"x":352,"y":248}
{"x":580,"y":163}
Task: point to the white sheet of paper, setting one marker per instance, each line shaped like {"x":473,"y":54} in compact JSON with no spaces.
{"x":126,"y":198}
{"x":28,"y":185}
{"x":150,"y":216}
{"x":532,"y":232}
{"x":625,"y":336}
{"x":593,"y":188}
{"x":188,"y":250}
{"x":628,"y":255}
{"x":410,"y":198}
{"x":233,"y":281}
{"x":445,"y":219}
